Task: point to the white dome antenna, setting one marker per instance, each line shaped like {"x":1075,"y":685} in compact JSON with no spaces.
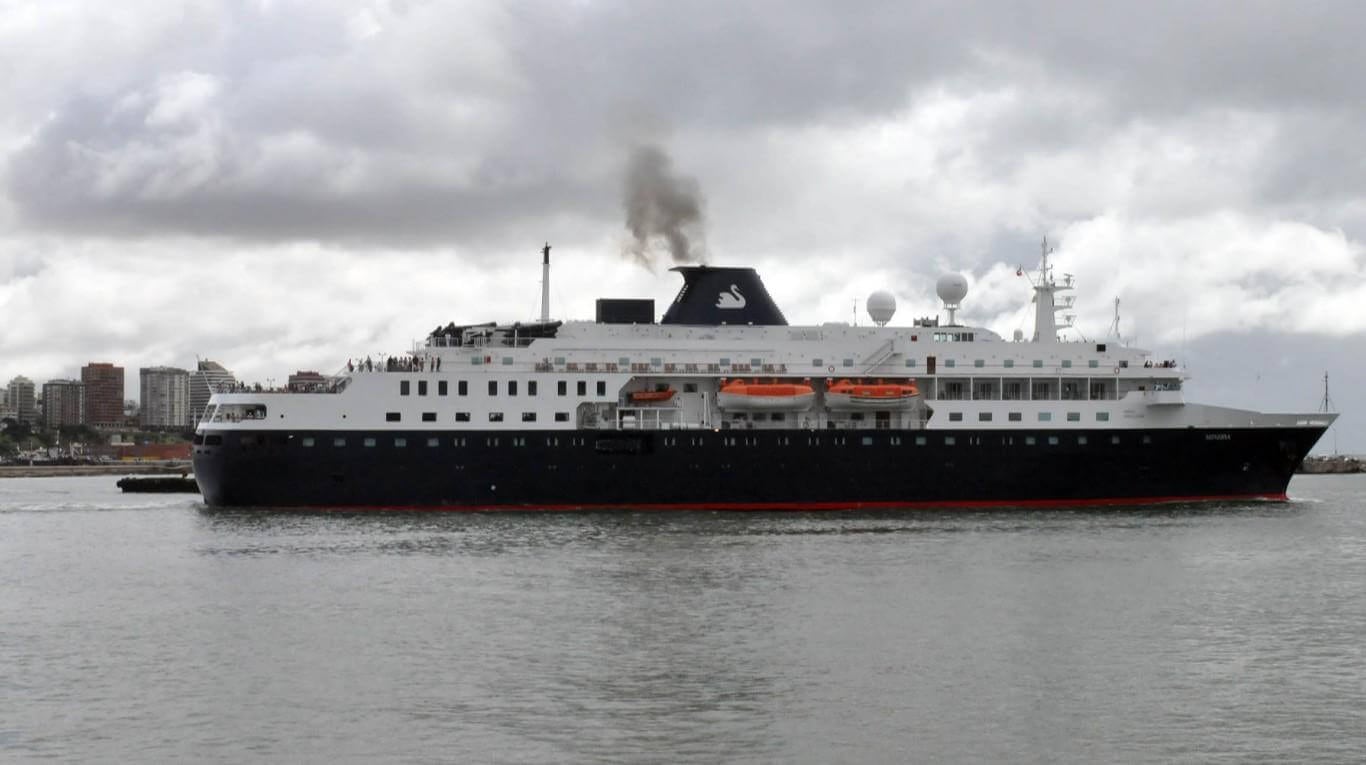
{"x":881,"y":307}
{"x":952,"y":288}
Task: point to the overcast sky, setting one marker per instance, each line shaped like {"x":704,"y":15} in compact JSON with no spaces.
{"x":283,"y":184}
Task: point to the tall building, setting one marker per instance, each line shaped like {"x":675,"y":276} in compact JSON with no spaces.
{"x":103,"y":395}
{"x":63,"y":403}
{"x":209,"y":378}
{"x":165,"y":403}
{"x":20,"y":400}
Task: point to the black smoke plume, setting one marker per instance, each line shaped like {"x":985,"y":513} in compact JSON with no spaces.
{"x":661,"y":205}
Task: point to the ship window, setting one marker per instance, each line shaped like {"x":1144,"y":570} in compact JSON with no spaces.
{"x":1147,"y":439}
{"x":1074,"y":416}
{"x":756,"y":362}
{"x":689,"y":387}
{"x":921,"y":440}
{"x":1009,"y":363}
{"x":1045,"y":416}
{"x":856,"y":416}
{"x":1093,"y":363}
{"x":1052,"y":440}
{"x":507,"y":361}
{"x":493,"y":387}
{"x":462,"y":388}
{"x":984,"y":416}
{"x":978,"y":363}
{"x":1100,"y":347}
{"x":392,"y":417}
{"x":910,"y":362}
{"x":429,"y":416}
{"x":1081,"y":440}
{"x":582,"y":388}
{"x":369,"y":442}
{"x":495,"y":416}
{"x":1102,"y":416}
{"x":559,"y":360}
{"x":624,"y":361}
{"x":531,"y":388}
{"x":339,"y":442}
{"x":562,"y":417}
{"x":1014,"y":417}
{"x":1066,"y":363}
{"x":656,"y":361}
{"x":955,"y":416}
{"x":561,"y":388}
{"x":1038,"y":363}
{"x":528,"y":416}
{"x":1029,"y":441}
{"x":848,"y":362}
{"x":817,"y":362}
{"x":433,"y":442}
{"x":950,"y":363}
{"x":512,"y":387}
{"x":1114,"y":439}
{"x":457,"y":442}
{"x":867,"y":440}
{"x":403,"y":388}
{"x":1124,"y":364}
{"x":725,"y":362}
{"x":441,"y":389}
{"x":476,"y":360}
{"x":213,"y":440}
{"x":400,"y":442}
{"x":950,"y":440}
{"x":307,"y":441}
{"x":602,"y":388}
{"x":421,"y":387}
{"x":462,"y":416}
{"x":778,"y":417}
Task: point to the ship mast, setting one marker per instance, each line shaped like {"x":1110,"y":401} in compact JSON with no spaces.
{"x":545,"y":283}
{"x":1046,"y":324}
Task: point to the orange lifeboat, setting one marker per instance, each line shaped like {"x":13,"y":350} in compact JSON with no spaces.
{"x":859,"y":395}
{"x":652,"y":396}
{"x":740,"y":396}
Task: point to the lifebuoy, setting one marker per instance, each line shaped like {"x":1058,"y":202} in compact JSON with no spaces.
{"x":830,"y":369}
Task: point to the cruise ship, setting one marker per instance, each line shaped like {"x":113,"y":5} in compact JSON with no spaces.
{"x":720,"y":404}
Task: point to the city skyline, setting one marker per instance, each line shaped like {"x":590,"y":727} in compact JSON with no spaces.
{"x":292,"y":184}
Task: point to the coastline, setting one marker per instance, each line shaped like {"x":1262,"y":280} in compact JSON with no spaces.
{"x":113,"y":468}
{"x":1336,"y":464}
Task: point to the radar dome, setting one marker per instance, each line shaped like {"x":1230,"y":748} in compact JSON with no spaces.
{"x":881,"y":307}
{"x":952,"y":288}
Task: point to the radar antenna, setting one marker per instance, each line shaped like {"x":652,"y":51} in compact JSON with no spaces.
{"x":1326,"y":405}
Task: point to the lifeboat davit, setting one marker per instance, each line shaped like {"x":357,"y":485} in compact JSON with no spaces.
{"x":845,"y":395}
{"x":652,"y":396}
{"x":740,"y":396}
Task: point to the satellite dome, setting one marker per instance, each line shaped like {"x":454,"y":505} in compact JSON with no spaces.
{"x":881,"y":307}
{"x":952,"y":288}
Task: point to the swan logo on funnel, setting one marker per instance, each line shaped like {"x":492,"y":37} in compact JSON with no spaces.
{"x":732,"y":299}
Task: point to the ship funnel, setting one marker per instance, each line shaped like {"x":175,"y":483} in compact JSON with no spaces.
{"x":712,"y":296}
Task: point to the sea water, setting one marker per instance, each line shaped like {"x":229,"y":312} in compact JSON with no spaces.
{"x":147,"y":628}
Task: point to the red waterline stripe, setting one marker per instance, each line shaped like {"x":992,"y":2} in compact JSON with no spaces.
{"x":813,"y":506}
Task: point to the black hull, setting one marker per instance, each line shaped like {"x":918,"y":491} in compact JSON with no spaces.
{"x":746,"y":469}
